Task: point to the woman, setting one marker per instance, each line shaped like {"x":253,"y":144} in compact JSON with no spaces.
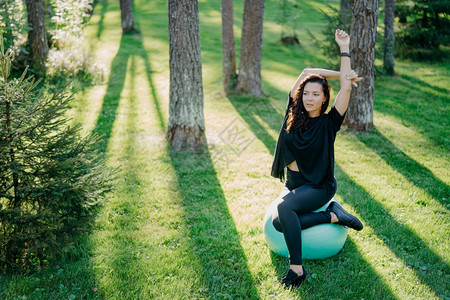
{"x":306,"y":147}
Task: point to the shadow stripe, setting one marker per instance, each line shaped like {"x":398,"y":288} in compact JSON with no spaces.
{"x":410,"y":248}
{"x":413,"y":171}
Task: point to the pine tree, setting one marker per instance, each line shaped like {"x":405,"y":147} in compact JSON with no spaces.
{"x":51,"y":179}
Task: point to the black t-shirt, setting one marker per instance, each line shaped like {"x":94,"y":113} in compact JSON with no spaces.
{"x":312,"y":149}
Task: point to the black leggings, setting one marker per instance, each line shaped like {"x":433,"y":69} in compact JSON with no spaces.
{"x":294,"y":213}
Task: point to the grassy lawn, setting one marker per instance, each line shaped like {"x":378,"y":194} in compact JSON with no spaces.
{"x":189,"y":225}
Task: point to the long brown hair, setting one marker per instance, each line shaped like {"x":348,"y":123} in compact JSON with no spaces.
{"x":298,"y":117}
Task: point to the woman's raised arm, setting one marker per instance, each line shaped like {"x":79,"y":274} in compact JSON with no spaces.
{"x":347,"y":76}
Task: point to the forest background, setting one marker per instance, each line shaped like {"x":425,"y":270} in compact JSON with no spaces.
{"x":189,"y":224}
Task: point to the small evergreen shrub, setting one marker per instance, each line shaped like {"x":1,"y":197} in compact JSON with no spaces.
{"x":51,"y":179}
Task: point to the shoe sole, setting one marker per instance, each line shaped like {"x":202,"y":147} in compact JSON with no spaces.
{"x":352,"y":221}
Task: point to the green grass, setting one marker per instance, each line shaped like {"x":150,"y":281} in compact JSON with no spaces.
{"x":189,"y":225}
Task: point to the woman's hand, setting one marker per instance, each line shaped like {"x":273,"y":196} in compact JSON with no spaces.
{"x":353,"y":77}
{"x":342,"y":39}
{"x":347,"y":77}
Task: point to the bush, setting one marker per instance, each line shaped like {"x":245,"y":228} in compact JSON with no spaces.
{"x":423,"y":31}
{"x":415,"y":42}
{"x":68,"y":56}
{"x":51,"y":179}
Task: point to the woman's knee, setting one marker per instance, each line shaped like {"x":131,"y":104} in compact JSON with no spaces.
{"x":276,"y":224}
{"x":283,"y":208}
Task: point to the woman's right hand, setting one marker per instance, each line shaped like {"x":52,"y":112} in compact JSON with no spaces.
{"x":342,"y":39}
{"x":353,"y":77}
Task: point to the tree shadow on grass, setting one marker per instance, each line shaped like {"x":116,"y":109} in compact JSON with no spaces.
{"x":116,"y":82}
{"x":134,"y":258}
{"x":424,"y":86}
{"x":212,"y":231}
{"x":350,"y":282}
{"x":417,"y":104}
{"x":416,"y":173}
{"x":130,"y":45}
{"x":123,"y":246}
{"x":215,"y":239}
{"x":100,"y":24}
{"x":405,"y":244}
{"x":260,"y":115}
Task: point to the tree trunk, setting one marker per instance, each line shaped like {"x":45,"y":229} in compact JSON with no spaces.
{"x":186,"y":123}
{"x":389,"y":40}
{"x":363,"y":36}
{"x":249,"y":78}
{"x":402,"y":12}
{"x":126,"y":12}
{"x":345,"y":15}
{"x":228,"y":49}
{"x":37,"y":36}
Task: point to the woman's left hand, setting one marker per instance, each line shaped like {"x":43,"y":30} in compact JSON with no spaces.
{"x":353,"y":77}
{"x":342,"y":38}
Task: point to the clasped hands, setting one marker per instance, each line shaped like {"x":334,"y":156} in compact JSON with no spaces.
{"x":353,"y":77}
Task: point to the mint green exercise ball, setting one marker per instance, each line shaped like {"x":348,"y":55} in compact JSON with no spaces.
{"x":318,"y":242}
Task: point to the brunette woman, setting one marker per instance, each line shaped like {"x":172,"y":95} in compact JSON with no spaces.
{"x":305,"y":148}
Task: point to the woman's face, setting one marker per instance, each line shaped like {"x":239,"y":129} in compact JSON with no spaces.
{"x":313,"y":98}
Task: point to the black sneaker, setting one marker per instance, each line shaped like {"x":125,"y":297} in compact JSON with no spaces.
{"x":292,"y":279}
{"x":344,"y":217}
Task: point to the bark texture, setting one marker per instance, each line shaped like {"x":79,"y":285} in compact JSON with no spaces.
{"x":126,"y":12}
{"x":228,"y":52}
{"x":389,"y":39}
{"x":37,"y":36}
{"x":363,"y":36}
{"x":249,"y":78}
{"x":186,"y":122}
